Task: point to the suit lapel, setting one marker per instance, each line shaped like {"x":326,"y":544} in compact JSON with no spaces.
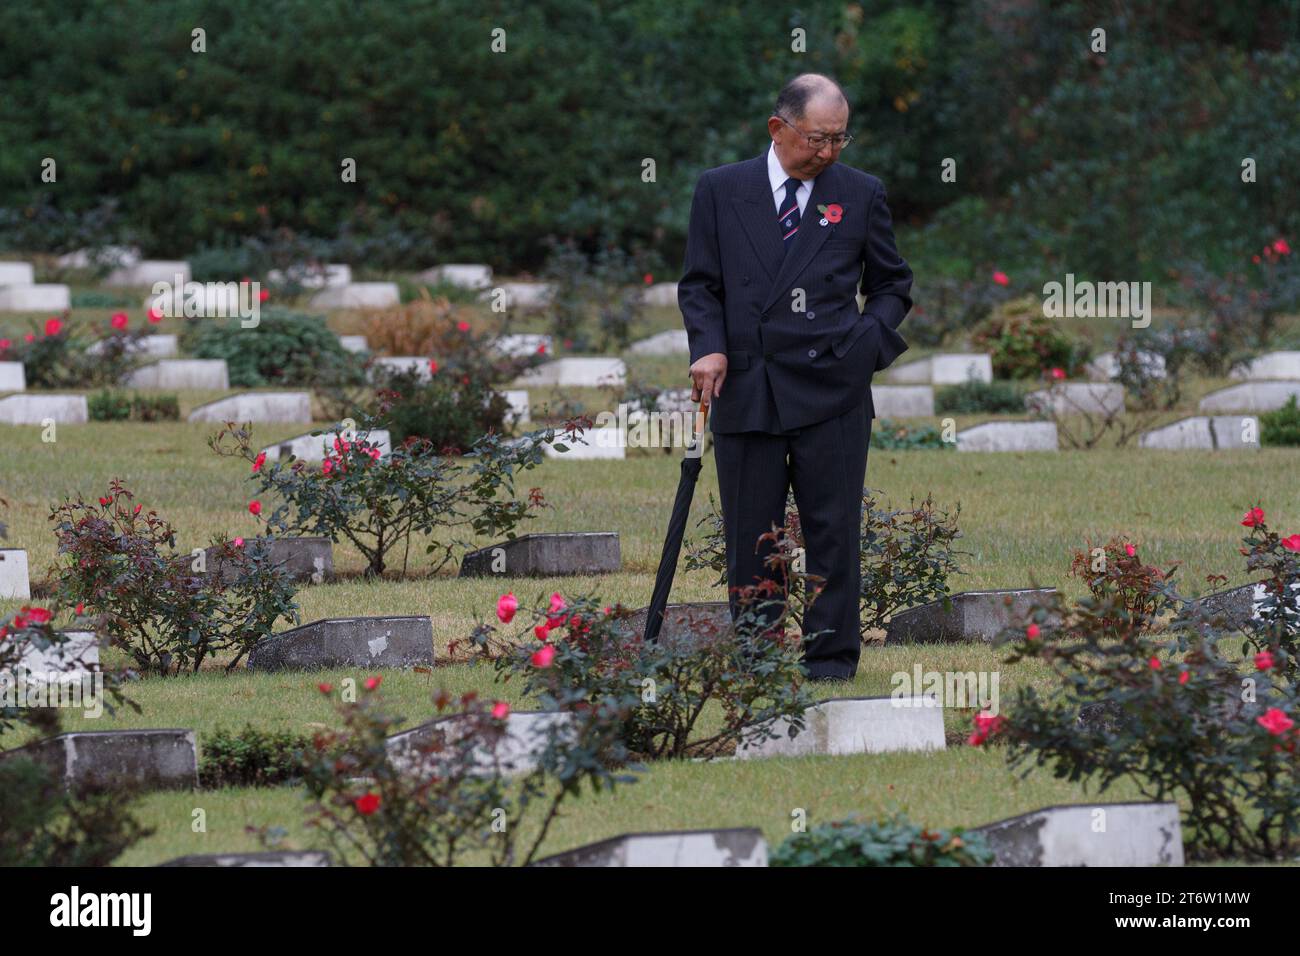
{"x":757,"y":213}
{"x":810,"y":236}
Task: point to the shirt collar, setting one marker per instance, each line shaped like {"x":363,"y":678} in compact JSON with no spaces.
{"x":776,"y":174}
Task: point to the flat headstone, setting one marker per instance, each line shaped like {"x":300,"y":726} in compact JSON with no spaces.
{"x":156,"y":346}
{"x":588,"y":372}
{"x":742,"y":846}
{"x":609,"y":441}
{"x":462,"y":275}
{"x":1078,"y":398}
{"x":89,"y":257}
{"x":305,"y":559}
{"x":256,"y":407}
{"x":17,"y":273}
{"x":13,"y":377}
{"x":1274,"y":365}
{"x":661,"y":294}
{"x":354,"y":343}
{"x":854,"y":725}
{"x":1240,"y":606}
{"x":682,"y":621}
{"x":903,"y":401}
{"x":32,"y":409}
{"x":672,"y":342}
{"x":46,"y":297}
{"x":526,"y":736}
{"x":401,"y":363}
{"x":547,"y":555}
{"x":13,"y":574}
{"x":1106,"y":366}
{"x":315,"y":447}
{"x":1009,"y":436}
{"x":76,"y":655}
{"x":1250,"y":397}
{"x":204,"y":299}
{"x":976,"y":616}
{"x":517,"y":399}
{"x":145,"y":272}
{"x":1091,"y":834}
{"x":946,"y":368}
{"x":520,"y":295}
{"x":669,"y":400}
{"x":394,"y":641}
{"x":523,"y":344}
{"x":332,"y":276}
{"x":359,"y":295}
{"x":112,"y":759}
{"x":180,"y":374}
{"x":270,"y":858}
{"x":1203,"y":431}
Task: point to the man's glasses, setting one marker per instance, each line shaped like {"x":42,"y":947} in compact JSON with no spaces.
{"x":818,"y":141}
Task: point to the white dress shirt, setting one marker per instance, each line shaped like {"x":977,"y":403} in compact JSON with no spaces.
{"x":777,"y":176}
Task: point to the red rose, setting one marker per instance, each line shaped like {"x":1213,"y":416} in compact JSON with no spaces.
{"x":119,"y":320}
{"x":259,"y":461}
{"x":1001,"y":278}
{"x":1253,"y":518}
{"x":367,"y":804}
{"x":155,"y":316}
{"x":53,"y":326}
{"x":543,"y":656}
{"x":255,"y":507}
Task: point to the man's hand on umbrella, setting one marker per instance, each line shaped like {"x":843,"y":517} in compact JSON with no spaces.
{"x":707,"y":374}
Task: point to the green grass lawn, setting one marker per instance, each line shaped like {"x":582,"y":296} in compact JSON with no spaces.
{"x":1021,"y":514}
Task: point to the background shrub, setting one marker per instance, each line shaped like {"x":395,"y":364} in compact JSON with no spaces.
{"x":285,"y":348}
{"x":888,"y":841}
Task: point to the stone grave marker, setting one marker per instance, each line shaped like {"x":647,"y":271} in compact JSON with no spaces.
{"x":359,"y":295}
{"x":527,"y":734}
{"x":517,"y":399}
{"x":76,"y":656}
{"x":13,"y":377}
{"x":671,"y":342}
{"x":256,"y":407}
{"x":110,"y":759}
{"x":270,"y":858}
{"x":461,"y":275}
{"x":401,"y":363}
{"x":609,"y":441}
{"x":854,"y":725}
{"x":355,"y":344}
{"x":976,"y":616}
{"x":334,"y":275}
{"x":946,"y":368}
{"x":47,"y":297}
{"x":1204,"y":432}
{"x":1273,"y":365}
{"x":31,"y":409}
{"x":314,"y":447}
{"x":1250,"y":397}
{"x":1106,"y":366}
{"x":14,"y":582}
{"x":660,"y":294}
{"x":1009,"y":436}
{"x":740,"y":846}
{"x":393,"y":641}
{"x":903,"y":401}
{"x":89,"y":257}
{"x":146,"y":272}
{"x":682,"y":621}
{"x":1100,"y":834}
{"x":17,"y":273}
{"x":581,"y":372}
{"x":155,"y":346}
{"x":180,"y":374}
{"x":546,"y":555}
{"x":306,"y":559}
{"x":520,"y":295}
{"x":1077,"y":398}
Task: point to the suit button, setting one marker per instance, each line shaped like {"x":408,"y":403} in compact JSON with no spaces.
{"x":812,"y":353}
{"x":829,"y":278}
{"x":812,"y":315}
{"x":745,"y":281}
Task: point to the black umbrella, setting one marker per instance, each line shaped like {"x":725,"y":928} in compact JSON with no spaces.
{"x":691,"y":465}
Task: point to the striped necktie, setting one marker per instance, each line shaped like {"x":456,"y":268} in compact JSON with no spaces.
{"x":789,"y":218}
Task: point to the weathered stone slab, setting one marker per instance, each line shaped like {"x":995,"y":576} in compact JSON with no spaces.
{"x":305,"y":559}
{"x":461,"y":275}
{"x":976,"y":616}
{"x":609,"y":441}
{"x":517,"y":398}
{"x":32,"y":409}
{"x":395,"y":641}
{"x":1250,"y":397}
{"x":547,"y":555}
{"x":1203,"y":431}
{"x":156,"y":346}
{"x":903,"y":401}
{"x":683,"y":621}
{"x":1009,"y":436}
{"x":660,"y":294}
{"x":742,"y":846}
{"x":17,"y":273}
{"x":359,"y":295}
{"x":1106,"y":366}
{"x":77,"y":655}
{"x":315,"y":447}
{"x":256,"y":407}
{"x":587,"y":372}
{"x":334,"y":275}
{"x":672,"y":342}
{"x":14,"y":582}
{"x":526,"y":737}
{"x":145,"y":272}
{"x":271,"y":858}
{"x":523,"y":344}
{"x":180,"y":374}
{"x":1240,"y":606}
{"x":520,"y":295}
{"x":35,"y":298}
{"x":13,"y":377}
{"x":91,"y":257}
{"x":1100,"y":834}
{"x":855,"y":725}
{"x":669,"y":400}
{"x":1273,"y":365}
{"x":354,"y":343}
{"x":399,"y":364}
{"x":946,"y":368}
{"x":118,"y":759}
{"x":1077,"y":398}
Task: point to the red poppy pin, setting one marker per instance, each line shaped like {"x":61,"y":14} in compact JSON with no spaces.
{"x":831,"y":213}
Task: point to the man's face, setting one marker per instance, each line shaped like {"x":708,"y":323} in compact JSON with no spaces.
{"x":823,"y":117}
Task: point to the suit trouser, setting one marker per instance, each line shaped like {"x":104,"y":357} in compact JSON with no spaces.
{"x":826,"y":465}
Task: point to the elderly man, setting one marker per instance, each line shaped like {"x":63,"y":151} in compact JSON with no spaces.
{"x":778,"y":248}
